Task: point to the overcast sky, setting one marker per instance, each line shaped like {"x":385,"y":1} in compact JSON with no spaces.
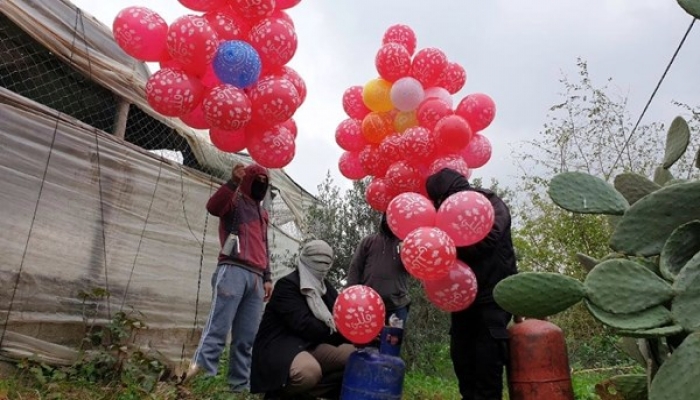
{"x":514,"y":51}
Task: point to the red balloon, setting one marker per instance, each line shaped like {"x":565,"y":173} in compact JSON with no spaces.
{"x":453,"y":162}
{"x":478,"y":109}
{"x":428,"y":253}
{"x":478,"y":152}
{"x":202,"y":5}
{"x":353,"y":104}
{"x":393,"y":62}
{"x":290,"y":74}
{"x":359,"y":314}
{"x":378,"y":194}
{"x":227,"y":107}
{"x":196,"y":119}
{"x":275,"y":40}
{"x":254,"y":9}
{"x":227,"y":24}
{"x":417,"y":143}
{"x":279,"y":14}
{"x":456,"y":291}
{"x":403,"y":177}
{"x":452,"y":134}
{"x":209,"y":78}
{"x":431,"y":111}
{"x":467,"y":217}
{"x":350,"y":166}
{"x":173,"y":93}
{"x":372,"y":162}
{"x":453,"y":78}
{"x":389,"y":148}
{"x":403,"y":35}
{"x":141,"y":33}
{"x":291,"y":124}
{"x":192,"y":42}
{"x":274,"y":101}
{"x":286,"y":4}
{"x":228,"y":141}
{"x":410,"y":211}
{"x":273,"y":148}
{"x":349,"y":136}
{"x":428,"y":65}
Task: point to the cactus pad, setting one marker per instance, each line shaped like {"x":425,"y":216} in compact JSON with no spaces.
{"x":677,"y":141}
{"x":647,"y":225}
{"x":653,"y":333}
{"x":692,"y":7}
{"x":686,"y":304}
{"x":687,"y":274}
{"x":680,"y":247}
{"x":651,"y":318}
{"x":623,"y":286}
{"x":633,"y":186}
{"x":679,"y":377}
{"x":586,"y":194}
{"x":587,"y":262}
{"x":623,"y":387}
{"x":662,"y":176}
{"x":538,"y":294}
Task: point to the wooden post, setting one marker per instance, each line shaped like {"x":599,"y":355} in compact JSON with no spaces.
{"x":122,"y":115}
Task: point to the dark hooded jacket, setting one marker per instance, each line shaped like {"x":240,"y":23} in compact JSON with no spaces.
{"x":493,"y":258}
{"x":239,"y":209}
{"x":377,"y":264}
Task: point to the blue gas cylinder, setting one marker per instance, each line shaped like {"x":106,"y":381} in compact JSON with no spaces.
{"x":371,"y":375}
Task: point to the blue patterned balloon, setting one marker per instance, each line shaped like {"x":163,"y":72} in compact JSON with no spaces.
{"x":237,"y":63}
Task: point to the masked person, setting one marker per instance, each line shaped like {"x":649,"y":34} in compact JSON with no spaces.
{"x":241,"y":282}
{"x":478,"y":335}
{"x":298,"y":352}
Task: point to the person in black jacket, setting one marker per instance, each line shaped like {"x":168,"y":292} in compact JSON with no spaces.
{"x":479,"y":335}
{"x":298,"y":352}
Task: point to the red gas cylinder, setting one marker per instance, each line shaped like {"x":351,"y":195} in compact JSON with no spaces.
{"x":539,"y":363}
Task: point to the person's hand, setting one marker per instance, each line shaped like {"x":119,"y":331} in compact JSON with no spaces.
{"x":237,"y":172}
{"x":267,"y":286}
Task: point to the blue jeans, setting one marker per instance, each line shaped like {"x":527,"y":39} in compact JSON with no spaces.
{"x":237,"y":306}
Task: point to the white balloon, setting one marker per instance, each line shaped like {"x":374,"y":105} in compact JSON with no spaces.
{"x":441,"y":93}
{"x":407,"y":94}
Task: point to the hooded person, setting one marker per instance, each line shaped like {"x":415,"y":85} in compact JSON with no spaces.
{"x":377,"y":264}
{"x":298,"y":351}
{"x":478,"y":335}
{"x":241,"y":282}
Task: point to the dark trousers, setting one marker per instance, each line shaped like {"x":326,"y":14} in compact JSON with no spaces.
{"x":479,"y":350}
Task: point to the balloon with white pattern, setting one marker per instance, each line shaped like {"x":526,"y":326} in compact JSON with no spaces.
{"x":359,"y":314}
{"x":456,"y":291}
{"x":428,"y":253}
{"x":467,"y":217}
{"x":409,"y":211}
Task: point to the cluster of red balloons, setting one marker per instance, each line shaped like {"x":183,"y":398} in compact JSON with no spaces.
{"x":430,"y":240}
{"x":403,"y":126}
{"x":359,"y":314}
{"x":223,"y":68}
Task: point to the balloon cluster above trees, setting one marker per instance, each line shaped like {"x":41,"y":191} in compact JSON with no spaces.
{"x":404,"y":125}
{"x":223,"y":68}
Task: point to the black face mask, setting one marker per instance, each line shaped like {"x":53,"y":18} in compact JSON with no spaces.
{"x":258,"y":190}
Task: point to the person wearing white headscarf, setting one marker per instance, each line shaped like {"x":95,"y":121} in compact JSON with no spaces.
{"x":298,"y":351}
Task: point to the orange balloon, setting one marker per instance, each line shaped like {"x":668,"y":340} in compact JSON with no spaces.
{"x":405,"y":120}
{"x":376,"y":95}
{"x":376,"y":126}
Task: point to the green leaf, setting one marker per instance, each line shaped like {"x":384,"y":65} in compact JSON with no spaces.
{"x":586,"y":194}
{"x":662,"y":176}
{"x":650,"y":318}
{"x":538,"y":294}
{"x":680,"y":247}
{"x":634,"y":186}
{"x":692,"y":7}
{"x":677,"y":141}
{"x":686,"y":304}
{"x":679,"y":377}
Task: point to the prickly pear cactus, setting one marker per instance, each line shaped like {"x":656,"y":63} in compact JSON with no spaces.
{"x":692,"y":7}
{"x":586,"y":194}
{"x":623,"y":387}
{"x":677,"y":378}
{"x":537,"y":295}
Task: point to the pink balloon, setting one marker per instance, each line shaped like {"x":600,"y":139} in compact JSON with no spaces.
{"x":353,"y":104}
{"x":228,"y":24}
{"x":410,"y":211}
{"x":275,"y":40}
{"x":393,"y":62}
{"x":456,"y":291}
{"x":389,"y":149}
{"x":227,"y":107}
{"x":417,"y":143}
{"x":141,"y":33}
{"x":431,"y":111}
{"x":372,"y":162}
{"x":173,"y":93}
{"x":349,"y":165}
{"x":274,"y":101}
{"x":452,"y":161}
{"x":253,"y":9}
{"x":428,"y":65}
{"x":440,"y":93}
{"x":290,"y":74}
{"x":403,"y":177}
{"x":467,"y":217}
{"x":359,"y":314}
{"x":478,"y":109}
{"x":478,"y":151}
{"x":407,"y":94}
{"x":196,"y":119}
{"x":273,"y":148}
{"x":453,"y":78}
{"x":349,"y":136}
{"x":452,"y":134}
{"x":287,"y":4}
{"x":228,"y":141}
{"x":202,"y":5}
{"x":428,"y":253}
{"x":403,"y":35}
{"x":378,"y":194}
{"x":192,"y":42}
